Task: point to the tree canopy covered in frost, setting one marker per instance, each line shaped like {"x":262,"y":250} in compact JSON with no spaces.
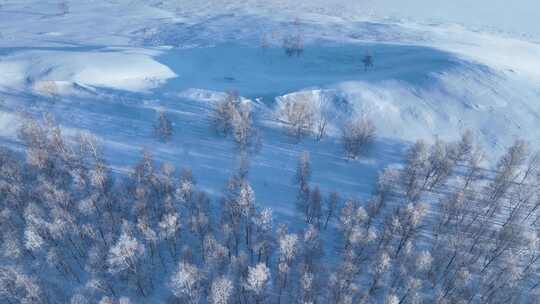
{"x":440,"y":229}
{"x":233,"y":116}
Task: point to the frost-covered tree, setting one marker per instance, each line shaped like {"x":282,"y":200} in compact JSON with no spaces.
{"x":414,"y":171}
{"x":264,"y":240}
{"x":405,"y":224}
{"x":224,"y":112}
{"x":314,"y":211}
{"x":201,"y":224}
{"x":17,"y":287}
{"x":113,"y":300}
{"x":257,"y":282}
{"x":288,"y":250}
{"x":163,"y":128}
{"x":169,"y":228}
{"x":187,"y":283}
{"x":302,"y":179}
{"x":330,"y":206}
{"x":356,"y":135}
{"x":312,"y":250}
{"x":72,"y":232}
{"x":239,"y":209}
{"x":508,"y":172}
{"x":288,"y":247}
{"x":215,"y":256}
{"x":391,"y":299}
{"x":307,"y":293}
{"x":303,"y":170}
{"x":299,"y":114}
{"x":464,"y":148}
{"x":321,"y":127}
{"x":235,"y":116}
{"x":440,"y":164}
{"x":243,"y":130}
{"x":125,"y":256}
{"x":379,"y":268}
{"x":221,"y":291}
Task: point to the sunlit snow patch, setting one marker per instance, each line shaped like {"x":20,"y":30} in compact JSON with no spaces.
{"x":114,"y":68}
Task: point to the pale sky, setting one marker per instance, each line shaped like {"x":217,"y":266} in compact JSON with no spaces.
{"x":518,"y":16}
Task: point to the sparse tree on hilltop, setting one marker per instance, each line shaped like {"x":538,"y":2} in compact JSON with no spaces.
{"x":234,"y":116}
{"x":367,"y":61}
{"x":299,"y":113}
{"x":293,"y":45}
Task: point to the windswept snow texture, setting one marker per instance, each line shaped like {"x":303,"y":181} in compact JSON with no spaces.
{"x":109,"y":66}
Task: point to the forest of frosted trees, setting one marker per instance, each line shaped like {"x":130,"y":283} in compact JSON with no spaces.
{"x":439,"y":229}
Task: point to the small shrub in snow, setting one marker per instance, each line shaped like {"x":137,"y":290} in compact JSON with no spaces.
{"x":63,"y":8}
{"x":265,"y":43}
{"x":293,"y":45}
{"x":367,"y":61}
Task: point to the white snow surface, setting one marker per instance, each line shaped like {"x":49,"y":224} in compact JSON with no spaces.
{"x":107,"y":66}
{"x":129,"y":69}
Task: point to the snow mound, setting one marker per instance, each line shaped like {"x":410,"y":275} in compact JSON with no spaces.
{"x":47,"y":71}
{"x":498,"y":107}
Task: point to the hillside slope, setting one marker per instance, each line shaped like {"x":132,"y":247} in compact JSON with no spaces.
{"x":428,"y":81}
{"x":110,"y":67}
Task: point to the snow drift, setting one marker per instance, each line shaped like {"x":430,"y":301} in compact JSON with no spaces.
{"x":46,"y":70}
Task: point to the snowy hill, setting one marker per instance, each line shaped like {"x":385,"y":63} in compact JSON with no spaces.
{"x":429,"y":81}
{"x":109,"y":67}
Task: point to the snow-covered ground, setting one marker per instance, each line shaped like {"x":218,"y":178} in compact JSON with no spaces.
{"x":108,"y":66}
